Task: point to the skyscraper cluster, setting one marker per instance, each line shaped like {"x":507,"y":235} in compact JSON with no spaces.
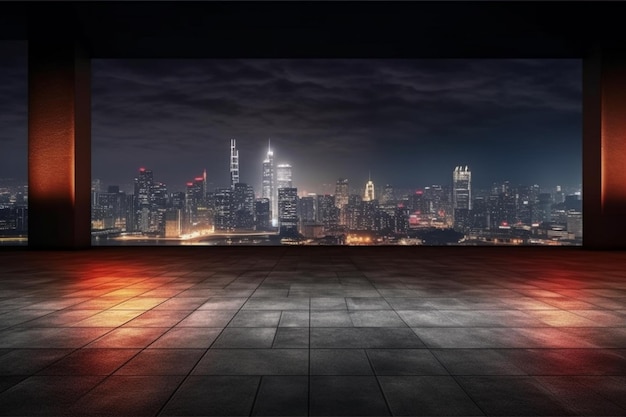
{"x":386,"y":212}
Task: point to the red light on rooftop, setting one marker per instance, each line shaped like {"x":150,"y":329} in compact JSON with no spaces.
{"x":199,"y":178}
{"x":419,"y":192}
{"x":189,"y":184}
{"x":142,"y":169}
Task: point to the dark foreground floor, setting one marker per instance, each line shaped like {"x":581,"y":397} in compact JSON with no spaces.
{"x":313,"y":331}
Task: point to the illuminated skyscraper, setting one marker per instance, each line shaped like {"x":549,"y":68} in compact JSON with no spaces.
{"x":461,"y":195}
{"x":462,"y":188}
{"x":327,"y":211}
{"x":234,"y":164}
{"x":224,"y":217}
{"x":243,"y":206}
{"x":194,"y":198}
{"x":288,"y":211}
{"x":369,"y":194}
{"x":269,"y":184}
{"x":144,"y":189}
{"x":342,"y":195}
{"x":283,"y":176}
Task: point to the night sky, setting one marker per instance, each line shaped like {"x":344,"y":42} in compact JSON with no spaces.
{"x":408,"y":122}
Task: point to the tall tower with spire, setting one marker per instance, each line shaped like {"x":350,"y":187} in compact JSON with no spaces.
{"x":270,"y":189}
{"x":369,"y":190}
{"x":234,"y":164}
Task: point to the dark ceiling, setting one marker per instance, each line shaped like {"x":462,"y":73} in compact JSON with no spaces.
{"x":440,"y":29}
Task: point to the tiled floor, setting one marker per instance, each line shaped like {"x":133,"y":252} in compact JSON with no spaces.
{"x":191,"y":331}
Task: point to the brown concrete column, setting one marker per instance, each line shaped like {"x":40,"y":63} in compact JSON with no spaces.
{"x":59,"y":143}
{"x":604,"y":150}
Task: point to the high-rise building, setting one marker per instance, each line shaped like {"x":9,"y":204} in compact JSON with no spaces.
{"x":173,"y":222}
{"x":342,"y":195}
{"x":144,"y":189}
{"x":234,"y":163}
{"x":462,"y":188}
{"x":224,"y":216}
{"x":307,"y":209}
{"x":327,"y":211}
{"x":461,"y":195}
{"x":243,"y":206}
{"x":575,"y":223}
{"x":388,"y":194}
{"x":369,"y":194}
{"x":283,"y":176}
{"x":270,"y":191}
{"x":159,"y":205}
{"x":544,"y":207}
{"x":194,"y":199}
{"x":262,"y":218}
{"x":288,"y":211}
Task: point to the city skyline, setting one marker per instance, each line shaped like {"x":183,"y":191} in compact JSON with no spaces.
{"x":516,"y":120}
{"x":451,"y":214}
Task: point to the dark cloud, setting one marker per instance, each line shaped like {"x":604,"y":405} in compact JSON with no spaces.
{"x":408,"y":121}
{"x":13,"y":110}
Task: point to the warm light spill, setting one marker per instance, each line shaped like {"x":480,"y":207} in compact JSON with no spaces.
{"x":613,"y":131}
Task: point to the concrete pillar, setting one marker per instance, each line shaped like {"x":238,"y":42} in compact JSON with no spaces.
{"x":604,"y":150}
{"x":59,"y":143}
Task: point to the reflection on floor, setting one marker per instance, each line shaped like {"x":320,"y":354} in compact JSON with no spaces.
{"x":313,"y":331}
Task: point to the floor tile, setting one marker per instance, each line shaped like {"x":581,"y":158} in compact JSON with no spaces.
{"x":282,"y":396}
{"x":129,"y":337}
{"x":376,"y":318}
{"x":213,"y":396}
{"x":346,"y":396}
{"x":339,"y":362}
{"x":127,"y":395}
{"x":187,"y":338}
{"x":478,"y":361}
{"x":291,"y":337}
{"x":162,"y":362}
{"x":245,"y":338}
{"x":53,"y":394}
{"x":208,"y":318}
{"x":364,"y":338}
{"x":413,"y":396}
{"x":367,"y":303}
{"x":333,"y":318}
{"x":513,"y":396}
{"x":294,"y":319}
{"x":254,"y":362}
{"x":405,"y":362}
{"x":251,"y":318}
{"x":90,"y":362}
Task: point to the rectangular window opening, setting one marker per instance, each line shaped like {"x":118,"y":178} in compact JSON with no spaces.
{"x":13,"y":144}
{"x":337,"y":152}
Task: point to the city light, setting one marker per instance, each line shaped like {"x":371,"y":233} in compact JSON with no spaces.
{"x":454,"y":214}
{"x":457,"y":214}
